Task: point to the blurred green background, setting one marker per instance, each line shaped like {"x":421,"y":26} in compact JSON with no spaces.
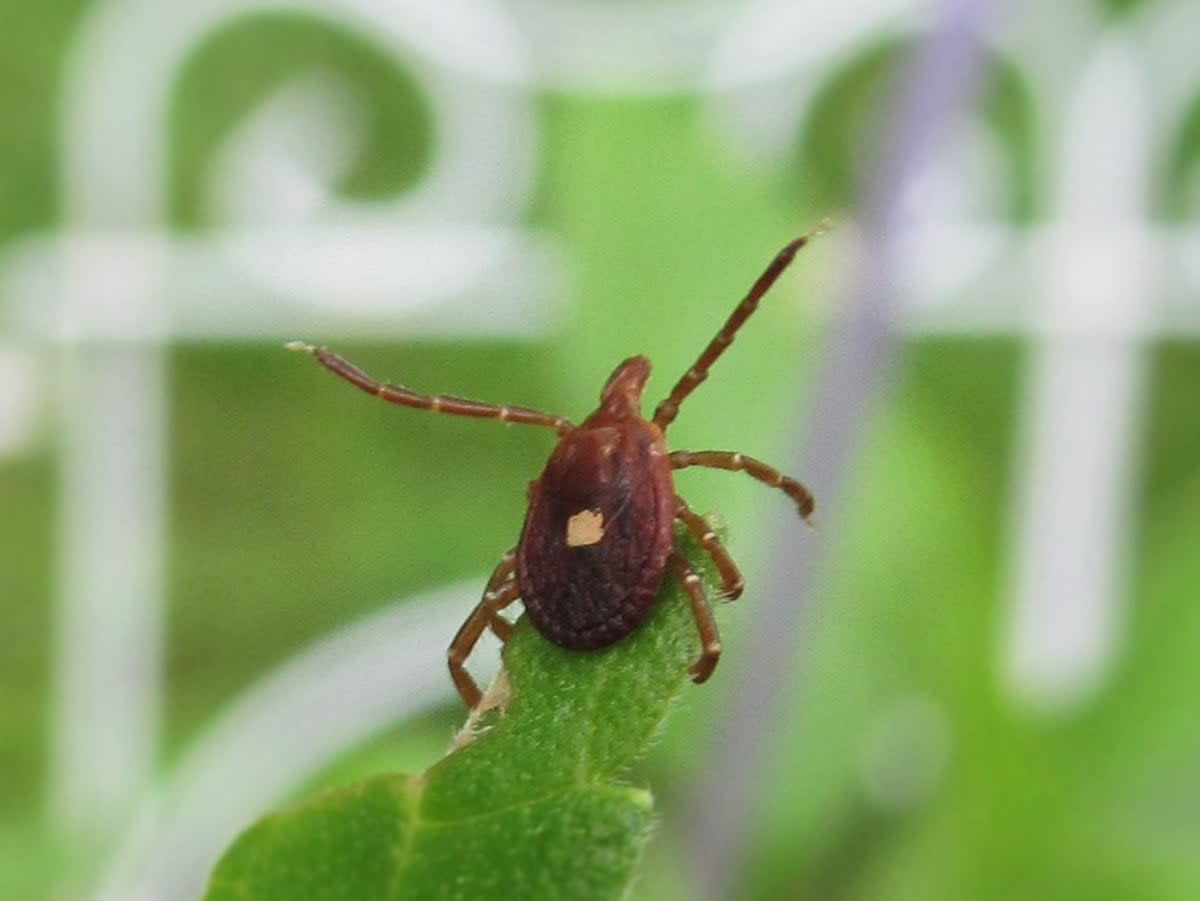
{"x":297,"y":504}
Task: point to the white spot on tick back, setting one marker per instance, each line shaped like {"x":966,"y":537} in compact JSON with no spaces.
{"x":585,"y":528}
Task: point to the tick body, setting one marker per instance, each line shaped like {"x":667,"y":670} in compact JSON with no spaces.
{"x":599,"y":530}
{"x":598,"y":538}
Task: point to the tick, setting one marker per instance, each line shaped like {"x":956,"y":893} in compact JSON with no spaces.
{"x":598,"y":538}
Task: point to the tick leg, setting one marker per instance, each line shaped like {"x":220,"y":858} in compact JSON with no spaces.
{"x":736,"y":462}
{"x":440,"y":403}
{"x":710,"y":638}
{"x":731,"y":579}
{"x":504,"y":571}
{"x":666,"y":411}
{"x":500,"y":592}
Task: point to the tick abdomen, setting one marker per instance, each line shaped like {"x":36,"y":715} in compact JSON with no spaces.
{"x":598,"y":534}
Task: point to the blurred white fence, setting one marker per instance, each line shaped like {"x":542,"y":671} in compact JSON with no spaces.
{"x":1095,"y":276}
{"x":104,"y":294}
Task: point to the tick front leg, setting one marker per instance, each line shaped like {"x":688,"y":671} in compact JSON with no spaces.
{"x":731,"y":579}
{"x":500,"y":592}
{"x":768,"y":475}
{"x":710,"y":638}
{"x":439,"y":403}
{"x":666,"y":411}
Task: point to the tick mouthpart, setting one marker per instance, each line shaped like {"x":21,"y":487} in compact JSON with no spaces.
{"x":300,"y":347}
{"x":622,"y":394}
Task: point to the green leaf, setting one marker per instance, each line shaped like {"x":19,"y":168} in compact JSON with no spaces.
{"x":529,"y":808}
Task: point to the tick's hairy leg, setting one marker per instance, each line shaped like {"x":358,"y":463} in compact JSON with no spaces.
{"x":665,"y":412}
{"x":500,"y":592}
{"x":439,"y":403}
{"x":505,"y":570}
{"x":710,"y":638}
{"x":731,"y":579}
{"x":768,"y":475}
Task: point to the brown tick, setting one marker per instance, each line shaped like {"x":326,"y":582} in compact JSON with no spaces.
{"x":599,"y":534}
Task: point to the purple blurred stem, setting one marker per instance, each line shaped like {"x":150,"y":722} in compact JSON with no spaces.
{"x":937,"y":87}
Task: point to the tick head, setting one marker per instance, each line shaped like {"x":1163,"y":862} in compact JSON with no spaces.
{"x":622,"y":394}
